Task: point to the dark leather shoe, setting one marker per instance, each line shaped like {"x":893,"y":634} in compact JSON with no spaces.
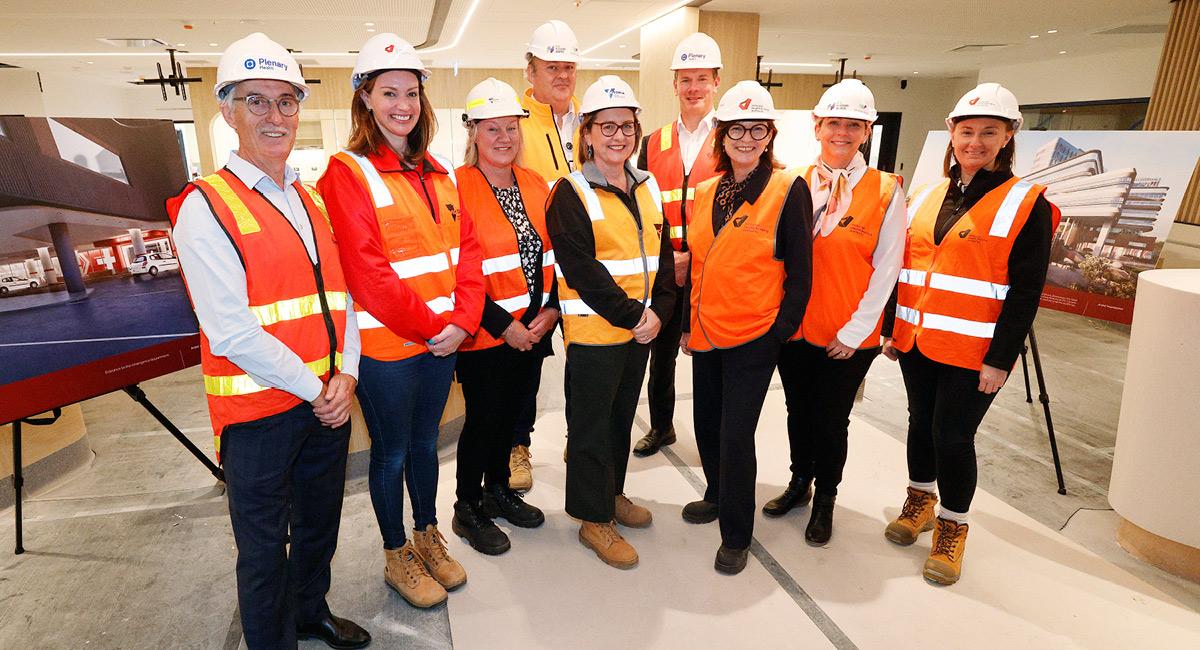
{"x":731,"y":561}
{"x":335,"y":632}
{"x":474,"y":525}
{"x":501,"y":501}
{"x":700,"y":512}
{"x":653,"y":441}
{"x":820,"y":524}
{"x":795,"y":495}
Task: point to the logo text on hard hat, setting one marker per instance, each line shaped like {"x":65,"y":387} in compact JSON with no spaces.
{"x":391,"y":48}
{"x":266,"y":64}
{"x":249,"y":64}
{"x":693,"y":56}
{"x":745,"y":104}
{"x":614,"y":93}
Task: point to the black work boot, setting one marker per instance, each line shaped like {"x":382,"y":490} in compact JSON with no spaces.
{"x":820,"y":523}
{"x":701,"y":512}
{"x":731,"y":561}
{"x":653,"y":441}
{"x":474,"y":525}
{"x":796,"y":494}
{"x":504,"y":502}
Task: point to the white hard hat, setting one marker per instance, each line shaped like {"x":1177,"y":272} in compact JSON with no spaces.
{"x":493,"y":98}
{"x":609,"y":91}
{"x":386,"y":52}
{"x":988,"y":99}
{"x":847,"y":98}
{"x":554,"y":41}
{"x":697,"y":50}
{"x":258,"y":57}
{"x":747,"y":100}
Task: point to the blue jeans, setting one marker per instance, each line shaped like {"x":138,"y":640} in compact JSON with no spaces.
{"x":402,"y":402}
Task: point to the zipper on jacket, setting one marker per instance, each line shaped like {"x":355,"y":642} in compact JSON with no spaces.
{"x":550,"y":146}
{"x":428,"y":201}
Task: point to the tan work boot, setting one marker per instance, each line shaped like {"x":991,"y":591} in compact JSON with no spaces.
{"x":631,"y":515}
{"x":520,"y":471}
{"x":405,"y":572}
{"x":944,"y":565}
{"x":608,"y":544}
{"x":915,"y":517}
{"x":431,"y":547}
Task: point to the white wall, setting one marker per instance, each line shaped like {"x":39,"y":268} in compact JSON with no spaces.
{"x":77,"y":96}
{"x":1115,"y":75}
{"x":924,"y":105}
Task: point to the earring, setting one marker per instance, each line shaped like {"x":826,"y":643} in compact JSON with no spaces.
{"x":590,"y":152}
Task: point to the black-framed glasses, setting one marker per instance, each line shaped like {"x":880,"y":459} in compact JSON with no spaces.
{"x":609,"y":129}
{"x":757,"y":132}
{"x":259,"y":105}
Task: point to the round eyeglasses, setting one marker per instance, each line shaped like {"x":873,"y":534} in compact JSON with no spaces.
{"x":609,"y":129}
{"x":757,"y":132}
{"x":259,"y":105}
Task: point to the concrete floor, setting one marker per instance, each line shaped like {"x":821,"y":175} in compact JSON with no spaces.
{"x":135,"y":550}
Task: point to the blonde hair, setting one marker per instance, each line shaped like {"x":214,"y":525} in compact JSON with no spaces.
{"x":471,"y":155}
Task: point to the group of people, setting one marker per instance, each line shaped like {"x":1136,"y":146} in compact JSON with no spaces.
{"x":399,"y":273}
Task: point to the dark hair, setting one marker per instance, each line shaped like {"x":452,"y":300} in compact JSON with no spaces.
{"x":585,"y":152}
{"x":1004,"y":159}
{"x":723,"y":162}
{"x":366,"y":136}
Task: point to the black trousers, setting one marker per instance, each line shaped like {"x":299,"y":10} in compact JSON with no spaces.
{"x":495,"y":383}
{"x":945,"y":408}
{"x":660,"y":388}
{"x":729,"y":388}
{"x":820,"y":395}
{"x":524,"y":425}
{"x":604,"y":384}
{"x":283,"y":472}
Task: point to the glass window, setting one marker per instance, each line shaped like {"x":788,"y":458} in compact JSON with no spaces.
{"x":78,"y":149}
{"x":1108,"y":115}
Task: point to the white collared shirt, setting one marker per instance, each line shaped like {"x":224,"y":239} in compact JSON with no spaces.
{"x":568,"y":125}
{"x":216,"y":281}
{"x":690,"y":142}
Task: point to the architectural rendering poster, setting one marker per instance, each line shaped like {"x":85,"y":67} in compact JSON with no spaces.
{"x":1119,"y":192}
{"x":90,"y":294}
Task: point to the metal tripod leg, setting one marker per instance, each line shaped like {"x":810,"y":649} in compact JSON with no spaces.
{"x":1045,"y":400}
{"x":1025,"y":373}
{"x":18,"y":479}
{"x":139,"y":396}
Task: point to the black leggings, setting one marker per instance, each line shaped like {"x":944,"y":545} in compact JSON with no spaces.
{"x":945,"y":408}
{"x":820,"y":395}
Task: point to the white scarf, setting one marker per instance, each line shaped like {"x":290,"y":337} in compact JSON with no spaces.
{"x":833,"y":189}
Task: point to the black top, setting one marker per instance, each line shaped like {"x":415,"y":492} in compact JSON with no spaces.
{"x":1027,"y":264}
{"x":793,"y":242}
{"x":575,"y":251}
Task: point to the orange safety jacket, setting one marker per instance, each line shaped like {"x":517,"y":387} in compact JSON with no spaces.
{"x":737,"y":283}
{"x":306,"y":312}
{"x":422,"y":252}
{"x":664,"y":159}
{"x":503,"y":277}
{"x":628,"y":252}
{"x":843,"y":261}
{"x":949,"y":295}
{"x":542,"y":149}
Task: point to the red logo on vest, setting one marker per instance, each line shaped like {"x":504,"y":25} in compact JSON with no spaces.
{"x":744,"y":105}
{"x":389,"y":49}
{"x":973,"y":101}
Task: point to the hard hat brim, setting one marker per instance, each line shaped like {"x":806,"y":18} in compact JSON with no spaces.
{"x":302,"y":90}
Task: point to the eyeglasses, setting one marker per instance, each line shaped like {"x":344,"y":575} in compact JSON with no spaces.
{"x":757,"y":132}
{"x":259,"y":105}
{"x":609,"y":129}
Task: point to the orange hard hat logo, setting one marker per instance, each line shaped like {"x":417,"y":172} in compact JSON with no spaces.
{"x":973,"y":101}
{"x":745,"y":104}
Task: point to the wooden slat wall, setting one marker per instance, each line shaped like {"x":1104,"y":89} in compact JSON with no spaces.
{"x":1175,"y":102}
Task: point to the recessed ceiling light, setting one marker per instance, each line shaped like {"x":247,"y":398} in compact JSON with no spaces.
{"x":915,"y":72}
{"x":1062,"y":51}
{"x":91,"y":62}
{"x":622,"y":46}
{"x":212,"y":44}
{"x":1033,"y":36}
{"x":1051,"y":31}
{"x":370,"y":29}
{"x":181,"y":45}
{"x":368,"y":24}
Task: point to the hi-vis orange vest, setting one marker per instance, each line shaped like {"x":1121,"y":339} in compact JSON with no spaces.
{"x":949,"y":295}
{"x":664,"y":158}
{"x":628,"y":252}
{"x":542,"y":149}
{"x":843,"y":261}
{"x":503,"y":278}
{"x":423,"y":252}
{"x":301,"y":304}
{"x":737,"y":284}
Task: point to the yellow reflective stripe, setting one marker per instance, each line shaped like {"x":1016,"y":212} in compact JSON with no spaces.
{"x":318,"y":201}
{"x":669,"y":196}
{"x":476,"y":102}
{"x":246,"y":222}
{"x":665,"y":140}
{"x":676,"y":232}
{"x":297,"y":308}
{"x":230,"y":385}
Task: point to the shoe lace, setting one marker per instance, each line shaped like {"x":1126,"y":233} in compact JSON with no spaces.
{"x":414,"y":568}
{"x":913,"y":506}
{"x":947,"y":538}
{"x":437,"y":546}
{"x":522,"y":454}
{"x":609,"y":532}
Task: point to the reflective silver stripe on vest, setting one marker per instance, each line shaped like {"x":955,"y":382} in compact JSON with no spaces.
{"x":968,"y":286}
{"x":368,"y":322}
{"x":585,"y":191}
{"x":912,"y":276}
{"x":956,"y":325}
{"x":379,"y":191}
{"x":914,"y":203}
{"x":575,"y":307}
{"x":445,"y":163}
{"x":519,"y":302}
{"x":1007,"y":213}
{"x":630,"y":266}
{"x":906,"y":314}
{"x":548,"y":259}
{"x":655,"y":194}
{"x":501,"y":264}
{"x":435,"y":263}
{"x":439,"y":305}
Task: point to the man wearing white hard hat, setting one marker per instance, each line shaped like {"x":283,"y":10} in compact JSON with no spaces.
{"x":751,"y":247}
{"x":972,"y":276}
{"x":681,"y":156}
{"x":551,"y":132}
{"x":500,"y":366}
{"x":858,"y":238}
{"x":278,"y":351}
{"x":604,"y":220}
